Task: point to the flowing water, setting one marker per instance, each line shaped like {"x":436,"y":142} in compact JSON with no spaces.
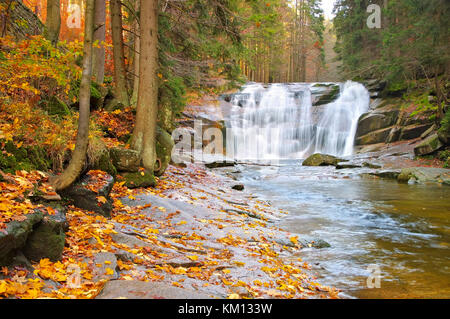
{"x":279,"y":122}
{"x":401,"y":230}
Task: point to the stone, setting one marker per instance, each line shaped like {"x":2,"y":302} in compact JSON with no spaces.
{"x":15,"y":236}
{"x":238,"y":187}
{"x":375,"y":85}
{"x":330,"y":94}
{"x":394,"y":135}
{"x":428,"y":146}
{"x":387,"y":174}
{"x":48,"y":237}
{"x":218,"y":164}
{"x":129,"y":289}
{"x":346,"y":165}
{"x":428,"y":132}
{"x":105,"y":163}
{"x":375,"y":137}
{"x":125,"y":160}
{"x":85,"y":193}
{"x":138,"y":180}
{"x":425,"y":175}
{"x":379,"y":119}
{"x":105,"y":265}
{"x":322,"y":160}
{"x":413,"y":131}
{"x":371,"y":165}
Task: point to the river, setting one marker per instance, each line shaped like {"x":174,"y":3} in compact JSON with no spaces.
{"x":402,"y":231}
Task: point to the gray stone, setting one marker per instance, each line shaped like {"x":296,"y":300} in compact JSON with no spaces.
{"x":15,"y":236}
{"x":371,"y":165}
{"x":428,"y":132}
{"x":346,"y":165}
{"x":125,"y":160}
{"x":375,"y":137}
{"x":107,"y":262}
{"x":425,"y":175}
{"x":147,"y":290}
{"x":428,"y":146}
{"x":48,"y":237}
{"x":379,"y":119}
{"x":413,"y":131}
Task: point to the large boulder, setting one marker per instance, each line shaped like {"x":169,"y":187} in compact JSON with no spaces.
{"x":322,"y":160}
{"x":91,"y":193}
{"x":414,"y":131}
{"x":428,"y":146}
{"x":15,"y":236}
{"x":48,"y":237}
{"x":375,"y":137}
{"x":125,"y":160}
{"x":377,"y":120}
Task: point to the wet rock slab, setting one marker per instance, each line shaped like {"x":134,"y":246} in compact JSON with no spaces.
{"x":147,"y":290}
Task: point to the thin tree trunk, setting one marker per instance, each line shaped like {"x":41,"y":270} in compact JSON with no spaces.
{"x":137,"y":49}
{"x":118,"y":52}
{"x":99,"y":36}
{"x":78,"y":160}
{"x":53,"y":23}
{"x":144,"y":135}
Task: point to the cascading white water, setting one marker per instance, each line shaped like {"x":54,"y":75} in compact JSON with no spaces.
{"x":279,"y":122}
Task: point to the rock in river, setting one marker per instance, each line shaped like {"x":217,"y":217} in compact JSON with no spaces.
{"x":322,"y":160}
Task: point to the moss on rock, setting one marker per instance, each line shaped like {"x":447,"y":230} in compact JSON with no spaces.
{"x":322,"y":160}
{"x":139,"y":180}
{"x":55,"y":107}
{"x":23,"y":158}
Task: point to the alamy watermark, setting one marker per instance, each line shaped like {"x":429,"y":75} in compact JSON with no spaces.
{"x":374,"y":279}
{"x":374,"y":19}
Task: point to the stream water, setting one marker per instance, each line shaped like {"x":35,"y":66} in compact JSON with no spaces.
{"x":401,"y":230}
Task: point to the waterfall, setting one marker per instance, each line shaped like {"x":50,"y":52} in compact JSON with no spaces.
{"x":280,"y":121}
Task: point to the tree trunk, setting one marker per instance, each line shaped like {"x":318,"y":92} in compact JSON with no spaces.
{"x":137,"y":49}
{"x":118,"y":52}
{"x":144,"y":135}
{"x":78,"y":160}
{"x":53,"y":23}
{"x":99,"y":37}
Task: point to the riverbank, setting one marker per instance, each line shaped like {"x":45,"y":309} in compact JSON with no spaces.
{"x":192,"y":236}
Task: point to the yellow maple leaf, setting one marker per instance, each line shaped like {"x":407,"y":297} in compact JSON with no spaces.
{"x":294,"y":240}
{"x":109,"y":271}
{"x":193,"y":257}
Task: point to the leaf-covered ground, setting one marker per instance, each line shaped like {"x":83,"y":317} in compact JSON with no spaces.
{"x":192,"y":232}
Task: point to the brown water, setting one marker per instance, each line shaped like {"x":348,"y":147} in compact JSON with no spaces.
{"x":402,"y":229}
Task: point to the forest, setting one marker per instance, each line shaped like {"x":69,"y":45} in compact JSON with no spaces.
{"x":97,"y":95}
